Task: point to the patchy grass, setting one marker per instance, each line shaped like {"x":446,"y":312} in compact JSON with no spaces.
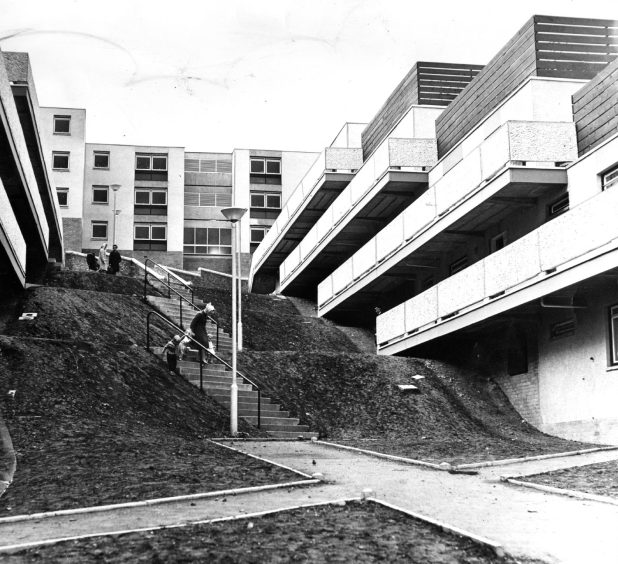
{"x":599,"y":479}
{"x":353,"y":399}
{"x":98,"y":419}
{"x":98,"y":282}
{"x":352,"y":532}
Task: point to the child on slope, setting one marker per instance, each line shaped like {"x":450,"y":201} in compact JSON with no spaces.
{"x":171,"y":349}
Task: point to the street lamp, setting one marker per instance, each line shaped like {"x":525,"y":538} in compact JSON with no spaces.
{"x":115,"y":188}
{"x":233,"y":215}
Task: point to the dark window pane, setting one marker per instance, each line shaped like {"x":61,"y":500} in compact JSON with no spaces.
{"x":273,"y":201}
{"x":142,"y":232}
{"x":201,"y":249}
{"x":159,"y":198}
{"x":273,"y":167}
{"x":257,"y":166}
{"x":62,"y":124}
{"x":63,"y":198}
{"x":61,"y":161}
{"x":226,"y":237}
{"x":142,"y":197}
{"x":201,"y":235}
{"x":189,"y":235}
{"x":99,"y":230}
{"x":159,"y":163}
{"x":158,"y":232}
{"x":257,"y":200}
{"x":101,"y":160}
{"x":99,"y":195}
{"x":142,"y":163}
{"x":188,"y":250}
{"x":213,"y":236}
{"x":257,"y":235}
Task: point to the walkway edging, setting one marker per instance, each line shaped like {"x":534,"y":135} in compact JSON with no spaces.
{"x":559,"y":491}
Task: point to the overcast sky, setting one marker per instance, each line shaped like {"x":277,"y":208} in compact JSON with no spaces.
{"x":270,"y":74}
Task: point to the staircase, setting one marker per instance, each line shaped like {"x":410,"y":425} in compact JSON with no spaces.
{"x":217,"y":378}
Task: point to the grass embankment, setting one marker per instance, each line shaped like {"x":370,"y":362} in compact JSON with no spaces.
{"x":358,"y":531}
{"x":97,"y":418}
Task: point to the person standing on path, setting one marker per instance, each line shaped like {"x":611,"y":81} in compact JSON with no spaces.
{"x":198,"y":328}
{"x":102,"y":257}
{"x":114,"y":260}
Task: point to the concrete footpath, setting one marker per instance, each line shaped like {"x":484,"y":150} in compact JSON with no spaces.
{"x":527,"y":523}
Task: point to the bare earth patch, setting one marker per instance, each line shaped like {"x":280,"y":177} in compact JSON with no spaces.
{"x":355,"y":532}
{"x":598,"y":479}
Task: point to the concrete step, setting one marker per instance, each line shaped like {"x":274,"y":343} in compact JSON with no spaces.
{"x":248,"y":413}
{"x":223,"y":397}
{"x":291,"y":434}
{"x":222,"y":386}
{"x":281,"y":428}
{"x":195,"y":367}
{"x":277,"y":422}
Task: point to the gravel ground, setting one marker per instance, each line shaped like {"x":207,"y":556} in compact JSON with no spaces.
{"x":354,"y":532}
{"x":599,"y":479}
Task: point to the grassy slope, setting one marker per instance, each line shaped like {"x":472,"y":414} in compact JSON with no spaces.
{"x":99,"y":419}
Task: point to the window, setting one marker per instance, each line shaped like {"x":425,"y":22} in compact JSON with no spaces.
{"x":498,"y":242}
{"x":99,"y":230}
{"x":150,"y":237}
{"x":264,"y":170}
{"x":60,"y":160}
{"x":100,"y":194}
{"x":613,"y":335}
{"x":458,"y":265}
{"x":558,"y":206}
{"x":609,"y":178}
{"x":207,"y":241}
{"x":62,"y":125}
{"x":151,"y":197}
{"x":101,"y":159}
{"x":265,"y":200}
{"x":151,"y":162}
{"x":63,"y":197}
{"x":208,"y":196}
{"x":258,"y":234}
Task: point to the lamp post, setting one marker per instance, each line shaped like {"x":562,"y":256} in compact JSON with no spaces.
{"x":115,"y":188}
{"x":233,"y":215}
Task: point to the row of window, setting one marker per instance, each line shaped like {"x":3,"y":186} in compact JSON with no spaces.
{"x":143,"y":163}
{"x":141,"y":231}
{"x":266,"y":200}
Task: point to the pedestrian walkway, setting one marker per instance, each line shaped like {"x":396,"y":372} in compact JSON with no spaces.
{"x":527,"y":523}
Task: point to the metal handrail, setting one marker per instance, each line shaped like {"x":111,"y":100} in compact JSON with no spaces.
{"x":201,"y":346}
{"x":180,"y":296}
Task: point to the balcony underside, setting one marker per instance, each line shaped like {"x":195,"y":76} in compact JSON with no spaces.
{"x":520,"y":304}
{"x":393,"y":280}
{"x":330,"y":186}
{"x":395,"y":192}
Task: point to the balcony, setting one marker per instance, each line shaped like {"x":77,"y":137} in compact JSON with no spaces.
{"x":327,"y":177}
{"x":388,"y":181}
{"x":510,"y":170}
{"x":571,"y":248}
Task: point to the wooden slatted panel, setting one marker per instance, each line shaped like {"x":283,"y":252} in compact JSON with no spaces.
{"x":595,"y":109}
{"x":427,"y":83}
{"x":545,"y":46}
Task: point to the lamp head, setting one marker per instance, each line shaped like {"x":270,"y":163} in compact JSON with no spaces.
{"x":233,"y":214}
{"x":115,"y":187}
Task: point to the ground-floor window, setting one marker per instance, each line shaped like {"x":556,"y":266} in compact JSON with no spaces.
{"x":207,"y":241}
{"x":150,"y":237}
{"x":613,"y":335}
{"x":99,"y":230}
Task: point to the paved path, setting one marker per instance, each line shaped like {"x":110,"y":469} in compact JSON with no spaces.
{"x":526,"y":522}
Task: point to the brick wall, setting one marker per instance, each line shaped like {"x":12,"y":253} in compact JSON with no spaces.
{"x":523,"y":392}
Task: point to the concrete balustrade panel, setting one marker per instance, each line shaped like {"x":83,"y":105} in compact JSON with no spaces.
{"x":413,"y":152}
{"x":419,"y":214}
{"x":363,"y":180}
{"x":342,"y":205}
{"x":308,"y":243}
{"x":290,"y":263}
{"x":342,"y":277}
{"x":422,"y":309}
{"x":390,"y":324}
{"x":390,"y":237}
{"x":364,"y":259}
{"x":513,"y":264}
{"x":495,"y":152}
{"x":459,"y":181}
{"x":283,"y":271}
{"x":10,"y":226}
{"x":580,"y":230}
{"x":542,"y":141}
{"x":381,"y":160}
{"x":324,"y":224}
{"x":462,"y":289}
{"x":293,"y":203}
{"x":343,"y":159}
{"x":325,"y":290}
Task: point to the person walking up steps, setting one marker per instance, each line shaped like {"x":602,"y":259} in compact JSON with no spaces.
{"x":102,"y":257}
{"x":114,"y":260}
{"x":198,"y":328}
{"x":171,"y":353}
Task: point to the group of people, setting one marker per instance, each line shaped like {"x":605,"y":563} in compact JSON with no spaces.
{"x":98,"y":263}
{"x":176,"y":347}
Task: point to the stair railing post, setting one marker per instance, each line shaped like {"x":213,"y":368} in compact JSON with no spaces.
{"x":148,"y":332}
{"x":180,"y":302}
{"x":169,"y":288}
{"x":201,"y":371}
{"x":259,"y":408}
{"x":145,"y":276}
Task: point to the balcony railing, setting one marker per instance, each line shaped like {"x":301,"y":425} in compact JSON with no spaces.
{"x":522,"y":144}
{"x":10,"y":226}
{"x":415,"y":155}
{"x":330,"y":160}
{"x":565,"y":241}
